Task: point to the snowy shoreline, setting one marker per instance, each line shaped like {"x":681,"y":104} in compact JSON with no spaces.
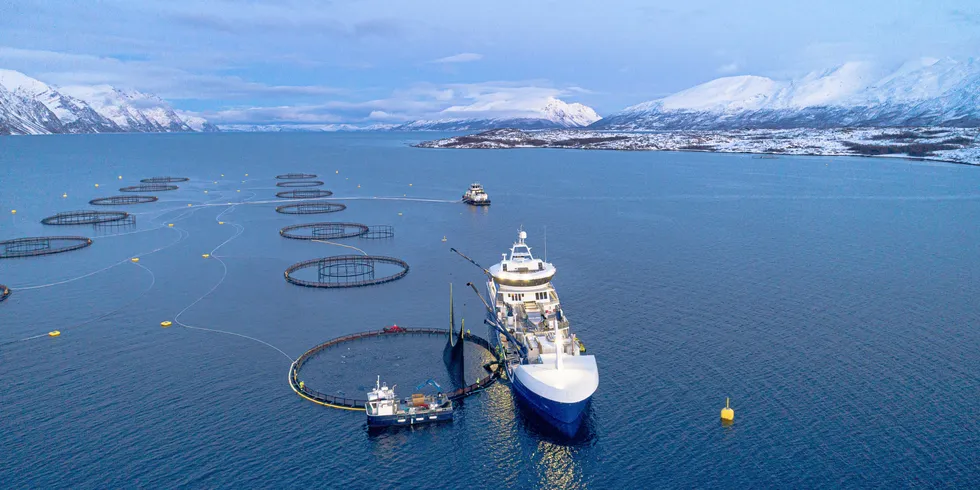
{"x":954,"y":145}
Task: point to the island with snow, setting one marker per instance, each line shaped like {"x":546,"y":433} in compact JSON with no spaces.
{"x":959,"y":145}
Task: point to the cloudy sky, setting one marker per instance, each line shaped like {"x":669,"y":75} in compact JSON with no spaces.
{"x":363,"y":61}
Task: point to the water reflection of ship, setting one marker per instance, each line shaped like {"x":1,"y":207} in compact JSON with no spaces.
{"x":452,"y":354}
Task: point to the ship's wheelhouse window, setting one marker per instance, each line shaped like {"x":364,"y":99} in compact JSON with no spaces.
{"x":505,"y":267}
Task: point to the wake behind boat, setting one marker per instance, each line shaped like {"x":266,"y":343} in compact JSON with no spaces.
{"x":545,"y":362}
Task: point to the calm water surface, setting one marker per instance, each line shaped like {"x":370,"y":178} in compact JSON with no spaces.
{"x":833,"y":299}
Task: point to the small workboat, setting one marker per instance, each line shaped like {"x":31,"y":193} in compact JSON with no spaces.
{"x":384,"y":409}
{"x":476,"y":196}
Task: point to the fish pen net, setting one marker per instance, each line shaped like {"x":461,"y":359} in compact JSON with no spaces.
{"x":149,"y":188}
{"x":84,"y":217}
{"x":323,"y":231}
{"x":311,"y":208}
{"x":296,"y":176}
{"x":333,"y":401}
{"x":129,"y":220}
{"x":164,"y":180}
{"x":34,"y":246}
{"x":304,"y":194}
{"x":376,"y":232}
{"x":347,"y":271}
{"x":121,"y":200}
{"x":299,"y":183}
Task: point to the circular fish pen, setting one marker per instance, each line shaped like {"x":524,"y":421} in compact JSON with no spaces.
{"x":4,"y":292}
{"x":84,"y":217}
{"x":164,"y":180}
{"x":45,"y":245}
{"x":299,"y":183}
{"x":121,"y":200}
{"x":296,"y":176}
{"x":332,"y":401}
{"x":311,"y":208}
{"x":323,"y":231}
{"x":149,"y":188}
{"x":377,"y":232}
{"x":304,"y":194}
{"x":346,"y":271}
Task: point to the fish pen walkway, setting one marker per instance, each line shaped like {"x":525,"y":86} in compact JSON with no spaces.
{"x":358,"y":404}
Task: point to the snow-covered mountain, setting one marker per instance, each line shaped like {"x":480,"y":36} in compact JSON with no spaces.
{"x":553,"y":113}
{"x":301,"y":128}
{"x":927,"y":92}
{"x":131,"y":110}
{"x":29,"y":106}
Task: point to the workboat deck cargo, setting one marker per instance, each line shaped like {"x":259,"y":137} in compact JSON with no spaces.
{"x":476,"y":196}
{"x":384,"y":409}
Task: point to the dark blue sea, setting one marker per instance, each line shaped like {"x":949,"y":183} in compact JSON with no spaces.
{"x":834,"y":300}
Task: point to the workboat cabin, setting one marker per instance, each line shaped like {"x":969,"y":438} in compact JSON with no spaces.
{"x":476,"y":196}
{"x":384,"y":409}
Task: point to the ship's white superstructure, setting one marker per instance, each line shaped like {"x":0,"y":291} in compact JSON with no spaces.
{"x":545,"y":361}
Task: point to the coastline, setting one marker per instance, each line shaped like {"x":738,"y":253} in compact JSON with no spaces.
{"x":947,"y":145}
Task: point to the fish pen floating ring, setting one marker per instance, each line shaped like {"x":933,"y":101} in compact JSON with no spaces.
{"x":323,"y":231}
{"x":311,"y":208}
{"x":304,"y":390}
{"x":376,"y":232}
{"x":120,"y":200}
{"x":43,"y":245}
{"x":149,"y":188}
{"x":84,"y":217}
{"x":347,"y":271}
{"x":299,"y":183}
{"x":164,"y":180}
{"x":304,"y":194}
{"x":296,"y":176}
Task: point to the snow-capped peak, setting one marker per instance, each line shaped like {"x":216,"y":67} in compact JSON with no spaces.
{"x":22,"y":84}
{"x":568,"y":115}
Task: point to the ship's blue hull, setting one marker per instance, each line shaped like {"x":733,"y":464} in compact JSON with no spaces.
{"x":566,"y":417}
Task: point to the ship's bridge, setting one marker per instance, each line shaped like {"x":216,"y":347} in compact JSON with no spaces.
{"x":520,"y":268}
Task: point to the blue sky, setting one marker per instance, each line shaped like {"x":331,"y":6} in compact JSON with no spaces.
{"x":362,"y":61}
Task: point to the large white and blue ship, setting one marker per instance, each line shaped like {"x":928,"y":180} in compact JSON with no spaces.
{"x":545,"y":362}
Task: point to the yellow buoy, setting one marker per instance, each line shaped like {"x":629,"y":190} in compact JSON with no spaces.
{"x":135,"y":259}
{"x":189,"y":205}
{"x":399,"y":214}
{"x":13,"y":211}
{"x":358,"y":186}
{"x":727,"y":414}
{"x":238,"y":190}
{"x":444,"y":238}
{"x":302,"y":385}
{"x":338,"y":171}
{"x":221,"y":222}
{"x":410,"y":185}
{"x":170,"y":225}
{"x":246,"y":175}
{"x":205,"y":192}
{"x":54,"y":333}
{"x":166,"y":323}
{"x":120,"y":177}
{"x":96,"y":185}
{"x":222,"y":175}
{"x":216,"y":182}
{"x":205,"y":255}
{"x":64,"y":195}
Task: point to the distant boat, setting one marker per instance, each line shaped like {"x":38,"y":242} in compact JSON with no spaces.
{"x":476,"y":196}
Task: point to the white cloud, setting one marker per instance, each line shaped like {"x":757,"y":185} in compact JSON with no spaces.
{"x":459,"y":58}
{"x":728,"y":68}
